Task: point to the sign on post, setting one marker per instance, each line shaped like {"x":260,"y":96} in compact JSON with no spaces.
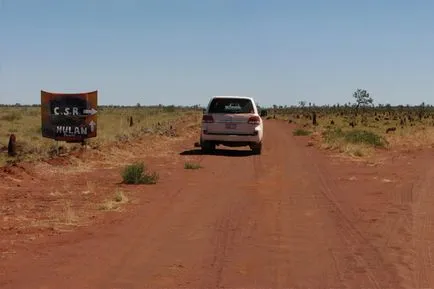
{"x":69,"y":117}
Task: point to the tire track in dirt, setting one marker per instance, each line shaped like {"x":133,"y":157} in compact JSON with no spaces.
{"x":165,"y":230}
{"x":225,"y":240}
{"x":216,"y":214}
{"x":336,"y":265}
{"x":388,"y":221}
{"x":422,"y":243}
{"x":233,"y":224}
{"x":364,"y":253}
{"x":236,"y":220}
{"x":282,"y":254}
{"x":381,"y":274}
{"x":360,"y":254}
{"x":254,"y":214}
{"x":295,"y":224}
{"x":396,"y":227}
{"x":406,"y":228}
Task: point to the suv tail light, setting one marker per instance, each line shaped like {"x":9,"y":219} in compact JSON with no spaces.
{"x":254,"y":120}
{"x":207,"y":118}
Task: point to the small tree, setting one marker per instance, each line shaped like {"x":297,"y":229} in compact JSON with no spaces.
{"x":362,"y":98}
{"x":421,"y":111}
{"x":302,"y":103}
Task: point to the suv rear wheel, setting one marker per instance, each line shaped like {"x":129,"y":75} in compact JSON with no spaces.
{"x":208,"y":147}
{"x":256,"y":148}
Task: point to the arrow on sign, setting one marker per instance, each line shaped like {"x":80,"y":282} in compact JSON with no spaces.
{"x":89,"y":111}
{"x":92,"y":125}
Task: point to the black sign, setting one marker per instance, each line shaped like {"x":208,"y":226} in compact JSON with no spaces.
{"x":69,"y":117}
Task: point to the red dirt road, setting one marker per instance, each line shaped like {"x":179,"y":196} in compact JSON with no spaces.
{"x":290,"y":218}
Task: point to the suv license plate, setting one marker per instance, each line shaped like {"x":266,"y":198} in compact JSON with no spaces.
{"x":231,"y":125}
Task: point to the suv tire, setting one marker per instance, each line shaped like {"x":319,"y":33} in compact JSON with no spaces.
{"x":256,"y":148}
{"x":207,"y":147}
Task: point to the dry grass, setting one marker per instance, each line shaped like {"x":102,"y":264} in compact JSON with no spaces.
{"x":114,"y":203}
{"x":417,"y":134}
{"x":63,"y":218}
{"x":192,"y":166}
{"x":68,"y":216}
{"x":113,"y":125}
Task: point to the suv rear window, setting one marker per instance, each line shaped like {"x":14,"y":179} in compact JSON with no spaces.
{"x":231,"y":105}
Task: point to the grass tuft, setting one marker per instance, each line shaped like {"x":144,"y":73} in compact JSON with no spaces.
{"x":192,"y":166}
{"x":120,"y":197}
{"x":301,"y":132}
{"x":114,"y":204}
{"x":137,"y":174}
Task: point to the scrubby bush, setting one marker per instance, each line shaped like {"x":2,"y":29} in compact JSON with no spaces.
{"x":138,"y":174}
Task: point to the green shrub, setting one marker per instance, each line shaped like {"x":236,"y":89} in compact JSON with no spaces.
{"x":137,"y":174}
{"x":192,"y":166}
{"x":355,"y":137}
{"x":170,"y":108}
{"x":301,"y":132}
{"x":364,"y":137}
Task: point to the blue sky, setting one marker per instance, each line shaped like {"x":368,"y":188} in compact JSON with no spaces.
{"x":184,"y":51}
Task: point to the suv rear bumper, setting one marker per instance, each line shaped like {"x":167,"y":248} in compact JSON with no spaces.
{"x":231,"y":139}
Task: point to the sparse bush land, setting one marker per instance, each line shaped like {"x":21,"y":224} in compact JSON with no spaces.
{"x":114,"y":125}
{"x":359,"y":127}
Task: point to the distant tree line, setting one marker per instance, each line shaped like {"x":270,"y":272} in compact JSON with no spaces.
{"x":362,"y":101}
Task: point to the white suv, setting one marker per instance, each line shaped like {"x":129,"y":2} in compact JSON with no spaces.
{"x":232,"y":121}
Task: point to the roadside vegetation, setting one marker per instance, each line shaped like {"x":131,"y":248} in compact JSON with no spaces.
{"x":301,"y":132}
{"x":192,"y":166}
{"x":115,"y":202}
{"x":357,"y":127}
{"x":362,"y":137}
{"x":115,"y":124}
{"x":360,"y":127}
{"x":138,"y":174}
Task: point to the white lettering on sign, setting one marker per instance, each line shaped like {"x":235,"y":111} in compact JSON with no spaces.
{"x":71,"y":130}
{"x":91,"y":111}
{"x":66,"y":111}
{"x":92,"y":125}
